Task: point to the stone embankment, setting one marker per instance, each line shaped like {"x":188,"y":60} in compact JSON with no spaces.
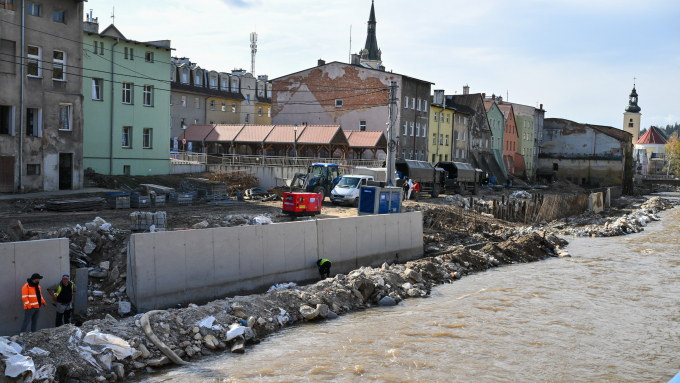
{"x":140,"y":344}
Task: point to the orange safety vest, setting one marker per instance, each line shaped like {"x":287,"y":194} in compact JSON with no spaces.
{"x":31,"y":300}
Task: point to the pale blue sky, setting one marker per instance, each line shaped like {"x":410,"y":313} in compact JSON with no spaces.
{"x":577,"y":57}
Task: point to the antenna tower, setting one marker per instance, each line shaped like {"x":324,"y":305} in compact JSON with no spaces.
{"x":253,"y":51}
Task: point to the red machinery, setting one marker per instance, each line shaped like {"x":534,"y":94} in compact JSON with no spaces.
{"x":301,"y":204}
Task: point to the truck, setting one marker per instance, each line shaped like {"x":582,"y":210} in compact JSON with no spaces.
{"x":461,"y":176}
{"x":320,"y":178}
{"x":346,"y":192}
{"x":378,"y":174}
{"x":430,"y":178}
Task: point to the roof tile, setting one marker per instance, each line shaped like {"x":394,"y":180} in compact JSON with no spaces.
{"x":653,"y":136}
{"x":196,"y":132}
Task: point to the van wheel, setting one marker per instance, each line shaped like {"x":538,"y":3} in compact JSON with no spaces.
{"x":356,"y":202}
{"x":435,"y":191}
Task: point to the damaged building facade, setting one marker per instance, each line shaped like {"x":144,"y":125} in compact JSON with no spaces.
{"x":586,"y":154}
{"x":41,"y":110}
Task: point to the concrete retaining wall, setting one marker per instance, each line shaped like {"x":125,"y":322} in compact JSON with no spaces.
{"x":196,"y":266}
{"x":186,"y":168}
{"x":19,"y":260}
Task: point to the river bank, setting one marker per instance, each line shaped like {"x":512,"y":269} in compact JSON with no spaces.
{"x":464,"y":245}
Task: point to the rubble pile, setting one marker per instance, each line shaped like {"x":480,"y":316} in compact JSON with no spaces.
{"x":181,"y":335}
{"x":236,"y":180}
{"x":238,"y":220}
{"x":591,"y":224}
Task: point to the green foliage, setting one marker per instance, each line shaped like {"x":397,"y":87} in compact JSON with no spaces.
{"x":673,"y":153}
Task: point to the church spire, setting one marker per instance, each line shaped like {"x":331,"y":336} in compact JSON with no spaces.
{"x":633,"y":102}
{"x":371,"y":54}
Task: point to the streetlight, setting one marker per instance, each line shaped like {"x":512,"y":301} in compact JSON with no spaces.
{"x":295,"y":144}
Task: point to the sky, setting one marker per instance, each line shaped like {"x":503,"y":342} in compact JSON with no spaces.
{"x":576,"y":57}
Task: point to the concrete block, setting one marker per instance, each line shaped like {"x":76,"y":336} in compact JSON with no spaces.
{"x":392,"y":233}
{"x":170,"y":263}
{"x":294,"y":247}
{"x":311,"y":249}
{"x":143,"y":257}
{"x":404,"y":222}
{"x":274,"y":238}
{"x":80,"y":297}
{"x":608,"y":198}
{"x":227,"y":258}
{"x":595,"y":202}
{"x":368,"y":241}
{"x":200,"y":259}
{"x":251,"y":263}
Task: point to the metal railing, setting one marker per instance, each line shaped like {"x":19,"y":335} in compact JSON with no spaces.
{"x":259,"y":160}
{"x":188,"y":158}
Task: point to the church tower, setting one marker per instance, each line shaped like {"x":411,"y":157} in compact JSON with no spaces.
{"x":631,"y":117}
{"x":371,"y":54}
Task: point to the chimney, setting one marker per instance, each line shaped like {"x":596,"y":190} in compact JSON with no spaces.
{"x":500,"y":99}
{"x":439,"y":97}
{"x":541,"y":106}
{"x":466,"y":89}
{"x":92,"y":24}
{"x":493,"y":97}
{"x":321,"y":63}
{"x":484,"y":96}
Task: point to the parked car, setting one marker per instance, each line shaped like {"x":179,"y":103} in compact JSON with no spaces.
{"x":346,"y":192}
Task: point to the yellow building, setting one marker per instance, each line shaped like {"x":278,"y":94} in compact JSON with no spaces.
{"x":263,"y":113}
{"x":223,"y":110}
{"x":441,"y":133}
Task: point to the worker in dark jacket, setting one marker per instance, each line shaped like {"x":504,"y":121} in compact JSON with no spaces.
{"x":33,"y":301}
{"x":62,"y":295}
{"x":406,"y":187}
{"x":324,"y":268}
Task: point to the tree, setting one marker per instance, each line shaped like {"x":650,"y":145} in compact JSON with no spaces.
{"x":673,"y":154}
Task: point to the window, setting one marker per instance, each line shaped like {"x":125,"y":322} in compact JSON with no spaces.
{"x":405,"y":102}
{"x":127,"y":93}
{"x":464,"y":120}
{"x":212,"y":104}
{"x":630,"y":124}
{"x":259,"y":111}
{"x":198,"y":78}
{"x":424,"y":130}
{"x":6,"y":119}
{"x":464,"y":134}
{"x":434,"y":140}
{"x":147,"y":138}
{"x":32,"y":170}
{"x":126,"y":170}
{"x":95,"y":47}
{"x":34,"y":65}
{"x":418,"y":105}
{"x":183,"y":123}
{"x":446,"y":157}
{"x":248,"y":100}
{"x":457,"y":153}
{"x":441,"y":139}
{"x":171,"y":103}
{"x":413,"y":103}
{"x":185,"y":73}
{"x":269,"y":94}
{"x":433,"y":158}
{"x":410,"y":154}
{"x":462,"y":154}
{"x":269,"y":112}
{"x":126,"y":53}
{"x":213,"y":83}
{"x":418,"y":129}
{"x":59,"y":16}
{"x":65,"y":117}
{"x":148,"y":57}
{"x":338,"y":103}
{"x":459,"y":119}
{"x":457,"y":138}
{"x":184,"y":101}
{"x":224,"y":85}
{"x":173,"y":70}
{"x":446,"y":142}
{"x":260,"y":92}
{"x":197,"y":103}
{"x":424,"y":105}
{"x":412,"y":129}
{"x":58,"y":66}
{"x":97,"y":89}
{"x":233,"y":108}
{"x":148,"y":95}
{"x":33,"y":122}
{"x":33,"y":9}
{"x":403,"y":153}
{"x":435,"y":118}
{"x":127,"y":136}
{"x":224,"y":106}
{"x":406,"y":128}
{"x":132,"y":54}
{"x":101,"y":48}
{"x":247,"y":118}
{"x":234,"y":87}
{"x":487,"y":144}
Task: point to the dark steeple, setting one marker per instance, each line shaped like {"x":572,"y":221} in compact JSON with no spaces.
{"x":633,"y":102}
{"x":371,"y":51}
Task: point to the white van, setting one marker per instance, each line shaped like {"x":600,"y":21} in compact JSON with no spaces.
{"x":346,"y":192}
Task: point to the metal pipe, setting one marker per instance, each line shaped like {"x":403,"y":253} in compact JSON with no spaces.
{"x":113,"y":59}
{"x":21,"y":108}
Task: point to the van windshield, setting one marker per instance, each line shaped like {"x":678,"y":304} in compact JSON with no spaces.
{"x":348,"y":182}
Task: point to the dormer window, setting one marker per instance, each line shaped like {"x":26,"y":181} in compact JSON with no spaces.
{"x":185,"y":76}
{"x":234,"y":87}
{"x":172,"y":73}
{"x":213,"y":83}
{"x":224,"y":85}
{"x":198,"y":78}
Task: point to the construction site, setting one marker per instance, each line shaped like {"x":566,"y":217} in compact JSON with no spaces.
{"x":145,"y":250}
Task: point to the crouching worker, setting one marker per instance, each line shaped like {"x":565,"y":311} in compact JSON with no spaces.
{"x":324,"y":268}
{"x":62,"y":294}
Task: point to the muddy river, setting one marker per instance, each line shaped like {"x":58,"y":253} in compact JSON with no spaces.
{"x":608,"y":314}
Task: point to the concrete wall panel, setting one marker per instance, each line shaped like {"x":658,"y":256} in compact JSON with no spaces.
{"x":142,"y":269}
{"x":200,"y":258}
{"x":227,"y":257}
{"x":170,"y":265}
{"x":252,"y":258}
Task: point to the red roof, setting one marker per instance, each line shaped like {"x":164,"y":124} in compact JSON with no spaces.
{"x":283,"y":134}
{"x":318,"y":134}
{"x":224,"y":133}
{"x":366,"y":139}
{"x":653,"y":136}
{"x":195,"y":132}
{"x":253,"y":133}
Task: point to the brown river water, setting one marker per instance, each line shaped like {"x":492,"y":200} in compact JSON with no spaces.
{"x":608,"y":314}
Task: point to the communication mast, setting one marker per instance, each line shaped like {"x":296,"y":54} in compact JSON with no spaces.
{"x":253,"y":51}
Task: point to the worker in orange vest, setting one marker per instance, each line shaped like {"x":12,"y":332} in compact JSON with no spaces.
{"x":33,"y":301}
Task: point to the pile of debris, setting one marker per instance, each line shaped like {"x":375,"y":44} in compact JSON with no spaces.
{"x":113,"y":349}
{"x":236,"y":180}
{"x":238,"y":220}
{"x":591,"y":224}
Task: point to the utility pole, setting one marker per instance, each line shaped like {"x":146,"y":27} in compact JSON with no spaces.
{"x":391,"y":144}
